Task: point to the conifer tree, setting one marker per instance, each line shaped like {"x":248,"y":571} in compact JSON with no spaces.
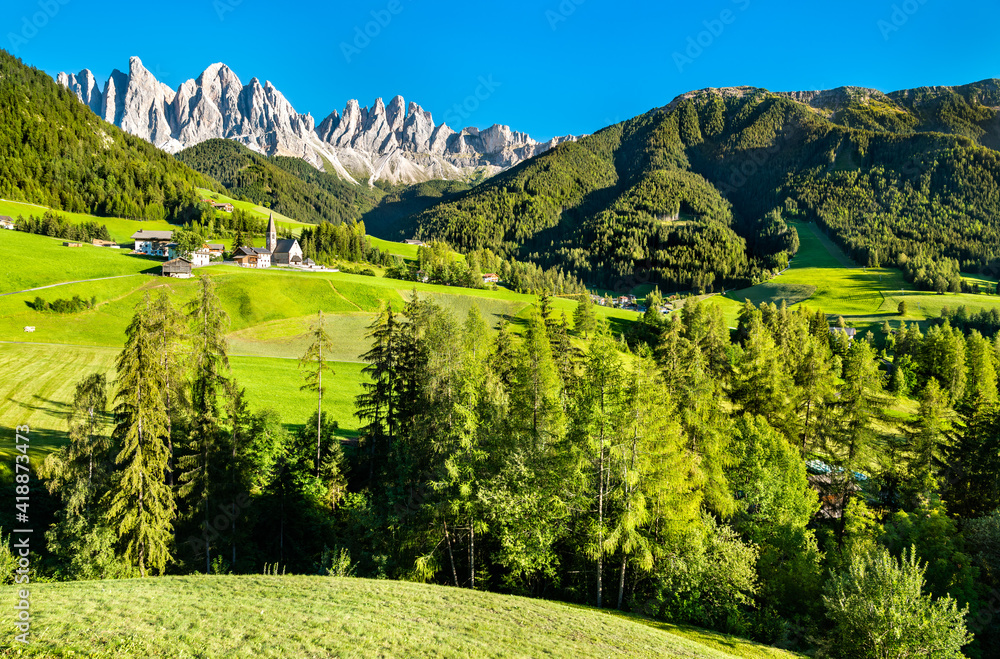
{"x":167,"y":323}
{"x":141,"y":506}
{"x":377,"y":405}
{"x":83,"y":463}
{"x":599,"y":407}
{"x":584,"y":320}
{"x":315,"y":360}
{"x":202,"y":463}
{"x":929,"y":439}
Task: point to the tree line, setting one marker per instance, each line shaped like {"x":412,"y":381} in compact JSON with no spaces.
{"x":761,"y":481}
{"x":57,"y":226}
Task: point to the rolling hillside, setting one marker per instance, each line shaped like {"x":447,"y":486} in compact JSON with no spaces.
{"x":54,"y":151}
{"x":699,"y":192}
{"x":271,"y":312}
{"x":328,"y":616}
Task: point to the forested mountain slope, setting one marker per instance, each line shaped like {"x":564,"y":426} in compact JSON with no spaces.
{"x":55,"y":152}
{"x":288,"y":185}
{"x":697,"y":192}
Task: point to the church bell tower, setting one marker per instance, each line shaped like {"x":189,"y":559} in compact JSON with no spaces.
{"x":272,"y":235}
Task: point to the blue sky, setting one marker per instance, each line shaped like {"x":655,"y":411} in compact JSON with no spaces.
{"x":546,"y":67}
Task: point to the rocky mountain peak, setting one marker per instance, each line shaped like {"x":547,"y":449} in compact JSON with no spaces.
{"x":396,"y":142}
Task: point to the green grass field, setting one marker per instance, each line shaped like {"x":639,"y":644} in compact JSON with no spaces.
{"x":302,"y":616}
{"x":121,"y":230}
{"x":822,"y":277}
{"x":260,"y":212}
{"x":29,"y":261}
{"x":271,"y":312}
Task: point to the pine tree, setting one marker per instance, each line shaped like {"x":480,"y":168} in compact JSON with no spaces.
{"x":141,"y":506}
{"x":315,"y":359}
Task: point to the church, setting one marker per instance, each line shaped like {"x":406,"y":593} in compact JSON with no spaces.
{"x":286,"y":251}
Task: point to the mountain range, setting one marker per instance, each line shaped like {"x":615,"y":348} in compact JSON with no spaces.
{"x":395,"y":143}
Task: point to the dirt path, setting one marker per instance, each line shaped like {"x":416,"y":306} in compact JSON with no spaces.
{"x":66,"y":283}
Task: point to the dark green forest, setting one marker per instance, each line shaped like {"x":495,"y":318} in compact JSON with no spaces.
{"x":696,"y":195}
{"x":55,"y":152}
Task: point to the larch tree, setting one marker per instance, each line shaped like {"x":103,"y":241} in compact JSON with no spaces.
{"x":598,"y":427}
{"x":204,"y":448}
{"x":168,"y":330}
{"x":141,"y":506}
{"x":377,"y":405}
{"x":315,"y":363}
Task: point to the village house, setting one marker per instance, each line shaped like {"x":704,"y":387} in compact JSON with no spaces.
{"x":152,"y":243}
{"x":6,"y":222}
{"x":284,"y":251}
{"x":179,"y":268}
{"x":491,"y":278}
{"x":97,"y":242}
{"x":414,"y":241}
{"x":849,"y":331}
{"x":223,"y":207}
{"x":215,"y":250}
{"x":252,"y":257}
{"x":197,"y":259}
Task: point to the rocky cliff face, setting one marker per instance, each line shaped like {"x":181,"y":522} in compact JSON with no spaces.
{"x":395,"y":143}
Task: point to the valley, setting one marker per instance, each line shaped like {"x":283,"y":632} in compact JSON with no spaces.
{"x":721,"y":379}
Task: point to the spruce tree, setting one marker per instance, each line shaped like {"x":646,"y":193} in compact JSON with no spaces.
{"x":377,"y":405}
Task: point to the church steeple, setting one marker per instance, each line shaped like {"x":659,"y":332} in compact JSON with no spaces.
{"x":272,"y":235}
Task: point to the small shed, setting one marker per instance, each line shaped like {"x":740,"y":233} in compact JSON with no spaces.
{"x":72,"y":244}
{"x":180,"y":268}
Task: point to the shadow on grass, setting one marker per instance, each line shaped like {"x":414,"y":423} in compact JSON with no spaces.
{"x":734,"y":645}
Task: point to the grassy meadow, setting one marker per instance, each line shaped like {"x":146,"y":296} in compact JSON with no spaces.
{"x":29,"y":261}
{"x":227,"y":616}
{"x":271,"y":313}
{"x":821,"y":276}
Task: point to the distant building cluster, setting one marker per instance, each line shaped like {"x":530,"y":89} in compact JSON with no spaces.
{"x":277,"y":251}
{"x":219,"y":205}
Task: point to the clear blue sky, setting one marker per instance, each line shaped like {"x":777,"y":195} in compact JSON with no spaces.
{"x":556,"y":66}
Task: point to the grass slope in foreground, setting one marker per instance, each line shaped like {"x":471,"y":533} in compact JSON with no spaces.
{"x":302,"y":616}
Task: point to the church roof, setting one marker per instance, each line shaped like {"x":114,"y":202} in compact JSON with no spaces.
{"x":270,"y":225}
{"x":284,"y":245}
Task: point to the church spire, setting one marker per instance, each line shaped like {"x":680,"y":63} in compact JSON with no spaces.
{"x":272,"y":235}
